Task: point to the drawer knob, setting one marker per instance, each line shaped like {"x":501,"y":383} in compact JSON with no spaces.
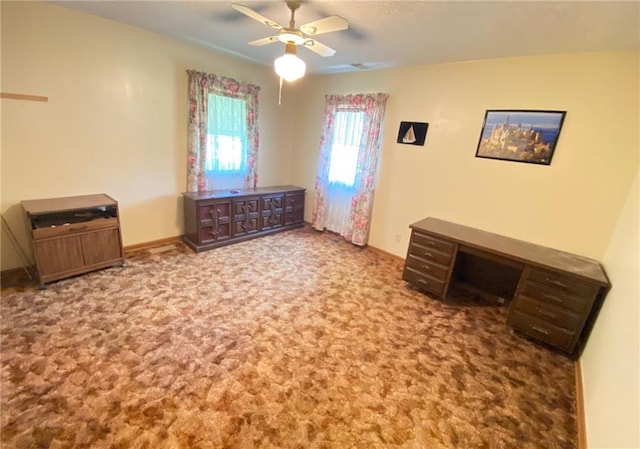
{"x":542,"y":330}
{"x":431,"y":243}
{"x":428,"y":254}
{"x":426,"y":267}
{"x":423,"y":282}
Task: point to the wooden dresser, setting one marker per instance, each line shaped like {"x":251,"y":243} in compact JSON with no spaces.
{"x":553,"y":296}
{"x":74,"y":235}
{"x":221,"y":217}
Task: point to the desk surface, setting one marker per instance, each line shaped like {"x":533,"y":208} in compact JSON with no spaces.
{"x":514,"y":249}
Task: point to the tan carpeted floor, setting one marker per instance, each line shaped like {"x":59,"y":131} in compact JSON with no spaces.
{"x":295,"y":340}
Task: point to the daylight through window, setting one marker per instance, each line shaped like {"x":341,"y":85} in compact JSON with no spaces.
{"x":227,"y":135}
{"x":347,"y":136}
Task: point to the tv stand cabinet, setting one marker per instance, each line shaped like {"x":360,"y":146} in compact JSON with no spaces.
{"x":222,"y":217}
{"x":553,"y":296}
{"x":74,"y":235}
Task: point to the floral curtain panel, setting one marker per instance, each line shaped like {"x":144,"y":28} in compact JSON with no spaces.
{"x":356,"y":228}
{"x":201,"y":85}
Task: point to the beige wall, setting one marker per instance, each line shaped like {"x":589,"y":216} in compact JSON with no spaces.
{"x":572,"y":204}
{"x":115,"y":121}
{"x":610,"y":363}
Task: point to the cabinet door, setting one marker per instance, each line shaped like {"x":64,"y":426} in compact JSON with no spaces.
{"x":55,"y":256}
{"x":102,"y":246}
{"x":246,"y":216}
{"x":272,"y":212}
{"x":294,"y":208}
{"x":214,"y":221}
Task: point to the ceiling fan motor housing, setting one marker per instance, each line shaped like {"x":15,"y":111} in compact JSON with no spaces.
{"x":291,"y":35}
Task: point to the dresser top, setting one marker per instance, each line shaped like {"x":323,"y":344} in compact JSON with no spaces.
{"x":226,"y":193}
{"x":51,"y":205}
{"x":514,"y":249}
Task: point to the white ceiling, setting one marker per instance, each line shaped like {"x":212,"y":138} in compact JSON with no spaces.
{"x":392,"y":33}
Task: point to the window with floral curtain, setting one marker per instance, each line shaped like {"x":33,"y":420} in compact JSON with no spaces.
{"x":223,"y":135}
{"x":348,"y":165}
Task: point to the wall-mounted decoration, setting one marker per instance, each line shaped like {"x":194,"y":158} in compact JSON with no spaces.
{"x":412,"y":133}
{"x":520,"y":135}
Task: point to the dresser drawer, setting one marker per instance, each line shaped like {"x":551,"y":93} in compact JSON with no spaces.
{"x":563,"y":283}
{"x":556,"y":336}
{"x":427,"y":267}
{"x":548,"y":313}
{"x":423,"y":281}
{"x":542,"y":292}
{"x":429,"y":241}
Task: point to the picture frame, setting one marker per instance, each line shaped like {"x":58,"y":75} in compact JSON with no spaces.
{"x":412,"y":133}
{"x":520,"y":135}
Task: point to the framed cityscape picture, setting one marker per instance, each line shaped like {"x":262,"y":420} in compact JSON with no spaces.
{"x":520,"y":135}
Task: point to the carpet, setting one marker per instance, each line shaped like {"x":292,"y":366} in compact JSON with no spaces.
{"x":293,"y":340}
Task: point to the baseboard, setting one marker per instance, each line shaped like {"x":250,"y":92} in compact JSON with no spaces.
{"x":580,"y":415}
{"x":14,"y":276}
{"x":151,"y":244}
{"x":383,"y":252}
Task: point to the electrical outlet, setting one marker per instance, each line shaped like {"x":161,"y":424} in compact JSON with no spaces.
{"x":397,"y":238}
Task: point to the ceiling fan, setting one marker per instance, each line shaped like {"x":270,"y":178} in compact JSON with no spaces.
{"x":298,"y":36}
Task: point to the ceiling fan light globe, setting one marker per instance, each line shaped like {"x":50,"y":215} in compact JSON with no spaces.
{"x":290,"y":67}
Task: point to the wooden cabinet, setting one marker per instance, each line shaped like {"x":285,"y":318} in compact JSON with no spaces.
{"x":74,"y":235}
{"x":222,"y":217}
{"x":553,"y":296}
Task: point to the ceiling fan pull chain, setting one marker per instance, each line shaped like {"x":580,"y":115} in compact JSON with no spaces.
{"x":280,"y":93}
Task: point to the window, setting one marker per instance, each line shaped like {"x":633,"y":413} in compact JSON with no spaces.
{"x":343,"y":158}
{"x":348,"y":164}
{"x":226,"y":136}
{"x":222,"y":133}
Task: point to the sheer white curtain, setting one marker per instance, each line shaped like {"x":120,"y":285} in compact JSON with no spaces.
{"x":343,"y":160}
{"x":348,"y":164}
{"x":227,"y":147}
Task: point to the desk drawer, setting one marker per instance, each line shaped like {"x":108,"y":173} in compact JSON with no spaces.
{"x":430,"y":254}
{"x":556,"y":336}
{"x":423,"y":281}
{"x":548,"y":313}
{"x":427,"y":267}
{"x":562,"y":283}
{"x":429,"y":241}
{"x":572,"y":301}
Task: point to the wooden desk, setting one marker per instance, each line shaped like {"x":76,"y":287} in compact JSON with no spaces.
{"x":553,"y":296}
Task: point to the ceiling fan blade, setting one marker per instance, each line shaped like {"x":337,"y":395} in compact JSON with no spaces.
{"x":326,"y":25}
{"x":319,"y":48}
{"x":264,"y":41}
{"x":256,"y":16}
